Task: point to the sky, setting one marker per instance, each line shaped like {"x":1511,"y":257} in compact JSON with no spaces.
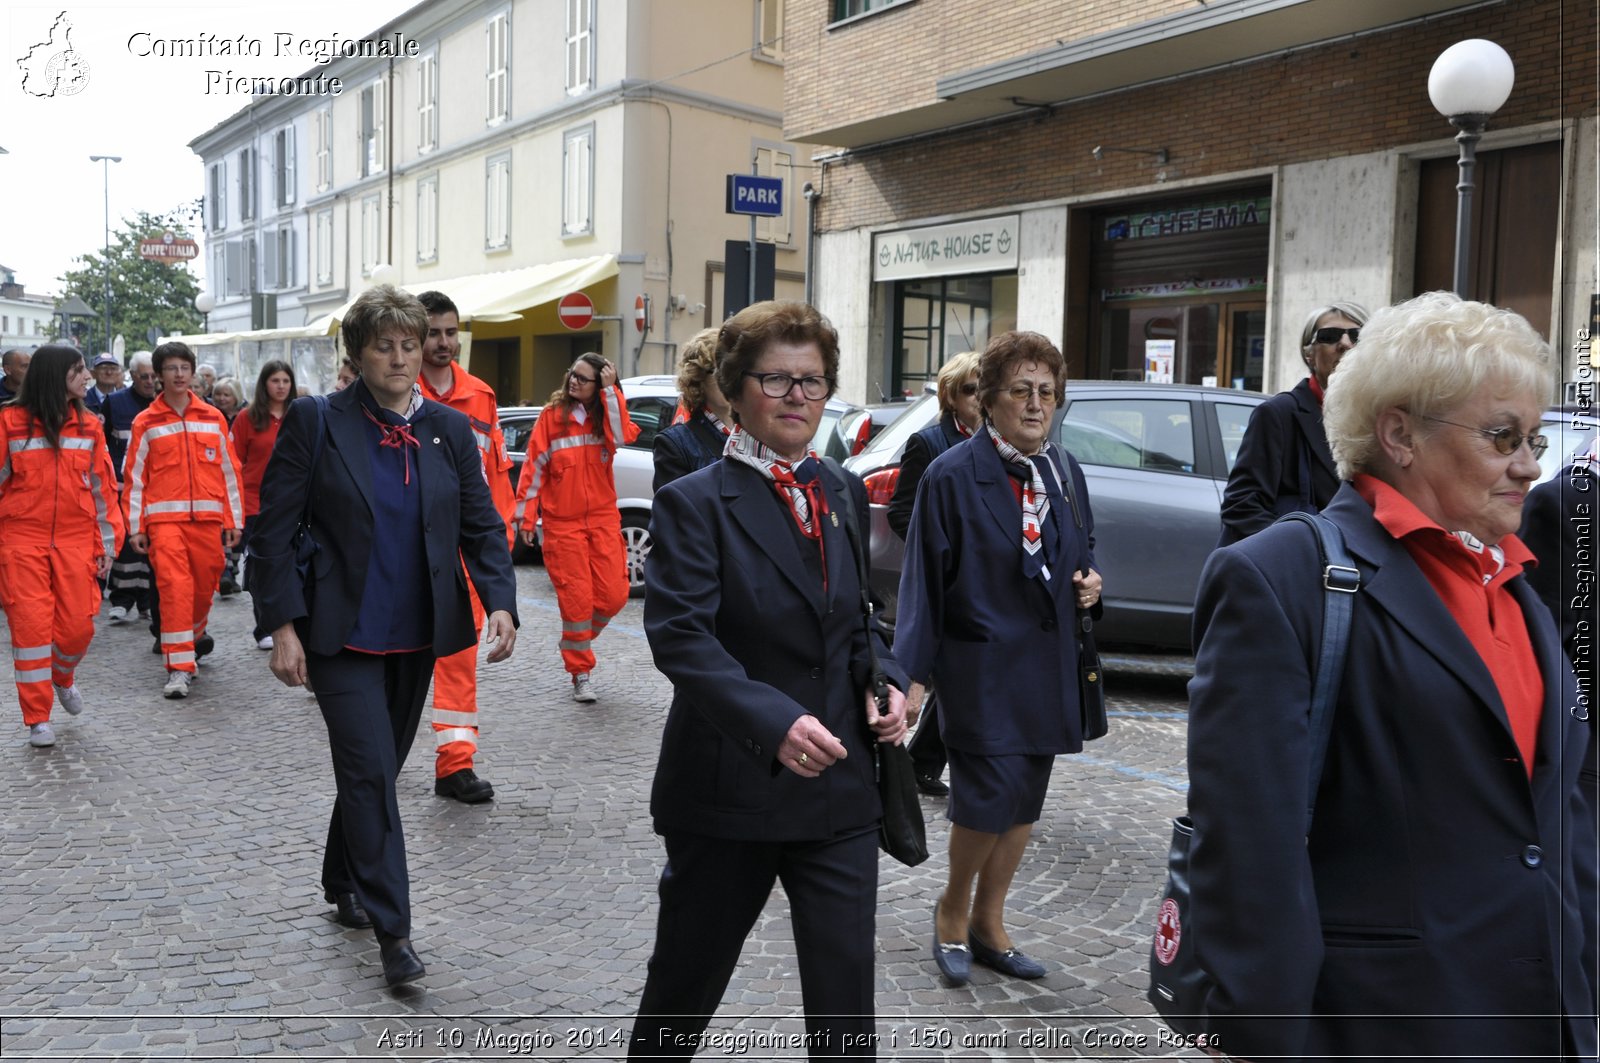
{"x":144,"y":107}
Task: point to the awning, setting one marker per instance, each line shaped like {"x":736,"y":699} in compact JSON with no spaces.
{"x":504,"y":296}
{"x":326,"y":325}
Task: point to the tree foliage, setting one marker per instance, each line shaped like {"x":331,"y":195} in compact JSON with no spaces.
{"x":144,"y":294}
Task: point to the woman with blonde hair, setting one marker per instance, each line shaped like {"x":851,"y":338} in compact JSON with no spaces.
{"x":698,"y":440}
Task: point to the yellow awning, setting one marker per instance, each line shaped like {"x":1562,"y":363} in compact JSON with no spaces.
{"x":505,"y":295}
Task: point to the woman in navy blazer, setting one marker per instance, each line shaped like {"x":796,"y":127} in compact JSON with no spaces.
{"x":1443,"y":903}
{"x":697,"y":441}
{"x":999,"y":559}
{"x":392,"y":491}
{"x":1284,"y":463}
{"x":753,"y":608}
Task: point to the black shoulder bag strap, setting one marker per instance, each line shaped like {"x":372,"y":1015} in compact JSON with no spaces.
{"x":1340,"y":582}
{"x":880,"y":684}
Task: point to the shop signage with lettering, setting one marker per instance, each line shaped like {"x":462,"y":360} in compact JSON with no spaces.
{"x":988,"y":245}
{"x":1178,"y":220}
{"x":1167,"y":289}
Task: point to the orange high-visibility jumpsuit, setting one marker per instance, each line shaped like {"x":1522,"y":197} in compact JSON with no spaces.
{"x":180,"y":484}
{"x":455,"y":678}
{"x":567,"y":480}
{"x":58,"y":515}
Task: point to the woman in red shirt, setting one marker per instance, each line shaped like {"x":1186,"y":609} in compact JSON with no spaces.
{"x":255,"y":431}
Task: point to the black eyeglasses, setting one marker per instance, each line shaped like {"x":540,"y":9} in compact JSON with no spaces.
{"x":1332,"y":335}
{"x":1506,"y":439}
{"x":778,"y":385}
{"x":580,"y":378}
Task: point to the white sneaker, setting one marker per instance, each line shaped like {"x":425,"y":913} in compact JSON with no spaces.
{"x":264,"y":642}
{"x":41,"y":735}
{"x":583,"y":688}
{"x":70,"y":699}
{"x":177,"y":685}
{"x":120,"y":614}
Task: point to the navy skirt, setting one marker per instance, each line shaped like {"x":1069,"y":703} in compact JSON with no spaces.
{"x":992,"y":794}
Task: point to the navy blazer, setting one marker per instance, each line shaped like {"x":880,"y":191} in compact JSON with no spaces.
{"x":684,"y":447}
{"x":1284,"y":433}
{"x":750,"y":643}
{"x":1437,"y":879}
{"x":920,"y":451}
{"x":1558,"y":525}
{"x":1002,"y":650}
{"x":459,"y":524}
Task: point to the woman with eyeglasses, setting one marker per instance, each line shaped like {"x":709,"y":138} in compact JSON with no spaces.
{"x":1443,"y":899}
{"x":567,"y":483}
{"x":999,"y":561}
{"x":1284,"y":463}
{"x":754,"y":611}
{"x":960,"y":414}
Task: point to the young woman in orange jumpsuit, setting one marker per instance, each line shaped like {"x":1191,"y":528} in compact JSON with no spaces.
{"x":567,"y":480}
{"x":61,"y":526}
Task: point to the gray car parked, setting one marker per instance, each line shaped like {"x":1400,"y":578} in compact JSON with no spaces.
{"x":1156,"y":458}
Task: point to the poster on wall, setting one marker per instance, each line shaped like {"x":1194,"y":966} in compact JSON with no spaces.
{"x":1158,"y":355}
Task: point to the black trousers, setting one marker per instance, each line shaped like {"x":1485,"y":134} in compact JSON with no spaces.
{"x":712,"y":890}
{"x":926,"y":746}
{"x":371,"y":703}
{"x":130,"y":580}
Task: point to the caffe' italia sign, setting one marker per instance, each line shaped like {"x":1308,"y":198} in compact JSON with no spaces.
{"x":168,"y":248}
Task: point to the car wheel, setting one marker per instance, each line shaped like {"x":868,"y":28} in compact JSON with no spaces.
{"x":636,"y":547}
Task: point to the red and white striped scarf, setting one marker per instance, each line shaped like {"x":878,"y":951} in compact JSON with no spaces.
{"x":802,"y":493}
{"x":1035,"y":499}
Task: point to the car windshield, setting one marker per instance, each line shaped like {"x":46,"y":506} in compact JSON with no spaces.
{"x":917,"y":416}
{"x":1569,"y":435}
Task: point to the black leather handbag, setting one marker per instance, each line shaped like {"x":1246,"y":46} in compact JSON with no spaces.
{"x":1178,"y":984}
{"x":1091,"y":682}
{"x":901,"y":832}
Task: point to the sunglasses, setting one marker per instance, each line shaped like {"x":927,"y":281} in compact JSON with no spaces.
{"x":1506,"y":439}
{"x":1332,"y":335}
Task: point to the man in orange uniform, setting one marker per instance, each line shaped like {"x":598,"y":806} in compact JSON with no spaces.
{"x":567,"y":482}
{"x":455,"y":678}
{"x":180,"y":483}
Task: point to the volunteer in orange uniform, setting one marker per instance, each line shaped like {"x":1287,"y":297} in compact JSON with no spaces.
{"x":61,"y":525}
{"x":181,"y":483}
{"x":567,"y":480}
{"x":455,"y":678}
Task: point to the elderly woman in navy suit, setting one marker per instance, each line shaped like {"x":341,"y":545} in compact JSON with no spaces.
{"x":1284,"y":463}
{"x":753,"y":608}
{"x":1442,"y":903}
{"x":393,"y":493}
{"x":999,"y":559}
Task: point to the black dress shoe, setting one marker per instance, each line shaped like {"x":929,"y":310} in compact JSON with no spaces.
{"x":351,"y":914}
{"x":204,"y":646}
{"x":930,"y":785}
{"x":464,"y":786}
{"x":400,"y":961}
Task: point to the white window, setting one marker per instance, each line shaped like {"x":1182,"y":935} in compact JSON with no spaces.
{"x":769,"y":29}
{"x":325,"y":247}
{"x":239,"y":266}
{"x":322,"y":137}
{"x":373,"y":112}
{"x":283,"y":165}
{"x":428,"y":103}
{"x":497,"y":204}
{"x":371,"y":233}
{"x":217,"y":280}
{"x":278,"y":266}
{"x":774,"y":162}
{"x":247,"y":184}
{"x":580,"y":46}
{"x":498,"y":39}
{"x":428,"y":218}
{"x":218,"y":196}
{"x":577,"y":182}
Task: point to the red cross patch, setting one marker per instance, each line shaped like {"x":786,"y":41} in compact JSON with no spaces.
{"x":1169,"y":932}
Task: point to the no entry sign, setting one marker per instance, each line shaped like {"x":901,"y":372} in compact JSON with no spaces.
{"x":575,"y":310}
{"x":641,"y":312}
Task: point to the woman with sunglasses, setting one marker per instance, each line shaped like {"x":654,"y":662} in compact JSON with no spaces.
{"x":1443,"y":899}
{"x":61,"y":525}
{"x":567,"y":483}
{"x":1284,"y":463}
{"x":960,"y":414}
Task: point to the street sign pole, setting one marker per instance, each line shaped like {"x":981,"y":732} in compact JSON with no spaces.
{"x":754,"y":172}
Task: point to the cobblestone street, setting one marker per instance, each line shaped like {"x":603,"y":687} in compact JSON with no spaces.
{"x":161,"y":899}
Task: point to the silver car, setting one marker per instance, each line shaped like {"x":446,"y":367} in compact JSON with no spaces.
{"x":1156,"y":458}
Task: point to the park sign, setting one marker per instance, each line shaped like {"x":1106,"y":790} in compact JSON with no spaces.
{"x":760,"y":196}
{"x":168,"y":248}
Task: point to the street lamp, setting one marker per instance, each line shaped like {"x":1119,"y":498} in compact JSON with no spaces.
{"x":205,"y":304}
{"x":107,"y":160}
{"x":1469,"y":82}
